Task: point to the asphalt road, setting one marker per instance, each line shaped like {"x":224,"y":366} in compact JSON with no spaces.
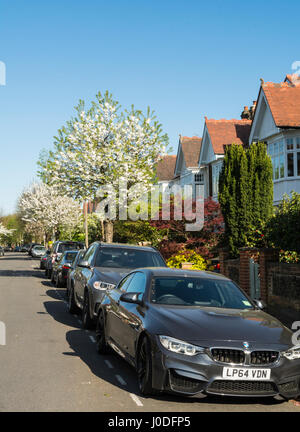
{"x":50,"y":364}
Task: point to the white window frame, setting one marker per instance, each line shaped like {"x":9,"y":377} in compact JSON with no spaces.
{"x":216,"y":170}
{"x":282,"y":147}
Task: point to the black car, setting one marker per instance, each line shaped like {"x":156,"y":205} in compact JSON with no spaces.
{"x":103,"y":266}
{"x":44,"y":259}
{"x":191,"y":332}
{"x":70,"y":278}
{"x":62,"y":267}
{"x":58,"y":248}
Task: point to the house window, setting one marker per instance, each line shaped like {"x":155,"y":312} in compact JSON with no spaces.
{"x":293,"y":156}
{"x":198,"y":178}
{"x":216,"y":169}
{"x":276,"y":152}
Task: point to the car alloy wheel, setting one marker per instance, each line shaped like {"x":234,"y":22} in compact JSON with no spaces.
{"x":144,"y":368}
{"x":72,"y":307}
{"x":101,"y":344}
{"x":87,"y":322}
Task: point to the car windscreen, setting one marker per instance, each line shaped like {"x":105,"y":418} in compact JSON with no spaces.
{"x":205,"y":292}
{"x":68,"y":246}
{"x":69,"y":257}
{"x":128,"y":258}
{"x":39,"y":248}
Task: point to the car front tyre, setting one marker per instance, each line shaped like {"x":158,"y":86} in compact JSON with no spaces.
{"x":144,"y":368}
{"x":87,"y":322}
{"x":72,"y":307}
{"x":101,"y":344}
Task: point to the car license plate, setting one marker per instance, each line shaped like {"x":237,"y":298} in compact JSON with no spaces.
{"x":251,"y":374}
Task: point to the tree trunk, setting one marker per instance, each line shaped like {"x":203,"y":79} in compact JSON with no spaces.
{"x":85,"y":208}
{"x":108,"y":231}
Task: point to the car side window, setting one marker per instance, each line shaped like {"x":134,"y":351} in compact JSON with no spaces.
{"x":125,"y":282}
{"x":90,"y":254}
{"x":137,"y":283}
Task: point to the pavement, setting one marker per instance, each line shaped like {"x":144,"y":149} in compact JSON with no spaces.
{"x":50,"y":364}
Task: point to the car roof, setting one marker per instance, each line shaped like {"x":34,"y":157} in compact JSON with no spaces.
{"x":167,"y":271}
{"x":127,"y":246}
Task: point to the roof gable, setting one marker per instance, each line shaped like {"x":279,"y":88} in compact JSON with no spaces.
{"x":284,"y":101}
{"x":165,"y":168}
{"x":188,"y":153}
{"x":225,"y":132}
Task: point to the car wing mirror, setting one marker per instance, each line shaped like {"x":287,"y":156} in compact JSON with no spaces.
{"x":131,"y":298}
{"x":260,"y":304}
{"x":84,"y":264}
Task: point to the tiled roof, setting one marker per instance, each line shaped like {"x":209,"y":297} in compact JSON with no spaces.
{"x":165,"y":168}
{"x":191,"y":150}
{"x":224,"y":132}
{"x":284,"y":101}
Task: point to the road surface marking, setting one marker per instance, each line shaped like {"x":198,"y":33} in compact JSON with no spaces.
{"x":136,"y":399}
{"x":108,"y":363}
{"x":121,"y":381}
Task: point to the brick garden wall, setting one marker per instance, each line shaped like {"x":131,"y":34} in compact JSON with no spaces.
{"x":279,"y":282}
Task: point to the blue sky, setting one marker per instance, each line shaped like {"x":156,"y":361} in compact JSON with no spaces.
{"x":186,"y":59}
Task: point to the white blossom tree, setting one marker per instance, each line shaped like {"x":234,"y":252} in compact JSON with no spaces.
{"x":5,"y":232}
{"x":102,"y":146}
{"x":45,"y":210}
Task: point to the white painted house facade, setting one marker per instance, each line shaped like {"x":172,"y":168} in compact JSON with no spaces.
{"x":277,"y":122}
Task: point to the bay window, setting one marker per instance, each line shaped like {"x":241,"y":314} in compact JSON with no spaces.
{"x":285,"y":156}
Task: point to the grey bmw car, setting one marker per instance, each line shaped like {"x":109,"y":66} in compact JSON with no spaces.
{"x":191,"y":332}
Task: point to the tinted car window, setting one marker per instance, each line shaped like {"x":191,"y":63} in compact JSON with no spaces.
{"x":78,"y":258}
{"x":138,"y":283}
{"x":90,"y":253}
{"x":125,"y":282}
{"x":127,"y":258}
{"x":198,"y":292}
{"x":69,"y":256}
{"x":62,"y":247}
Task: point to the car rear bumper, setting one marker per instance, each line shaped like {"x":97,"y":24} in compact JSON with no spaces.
{"x":190,"y":376}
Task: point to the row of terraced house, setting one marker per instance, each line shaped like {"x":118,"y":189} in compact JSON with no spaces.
{"x":274,"y":118}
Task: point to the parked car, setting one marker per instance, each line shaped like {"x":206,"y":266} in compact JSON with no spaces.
{"x":101,"y":268}
{"x":70,"y":278}
{"x":38,"y":251}
{"x":57,"y":249}
{"x":17,"y":249}
{"x":44,"y":259}
{"x":8,"y":248}
{"x":62,"y":267}
{"x":31,"y":246}
{"x":25,"y":248}
{"x":191,"y":332}
{"x":1,"y":251}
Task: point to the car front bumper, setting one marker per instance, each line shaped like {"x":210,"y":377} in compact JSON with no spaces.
{"x":192,"y":375}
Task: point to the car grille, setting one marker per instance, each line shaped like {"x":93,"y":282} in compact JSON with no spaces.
{"x":263,"y":357}
{"x":235,"y":356}
{"x":228,"y":355}
{"x":183,"y":384}
{"x":250,"y":388}
{"x":290,"y":387}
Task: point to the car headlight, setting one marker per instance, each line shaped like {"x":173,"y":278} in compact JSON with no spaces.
{"x":179,"y":346}
{"x":292,"y":354}
{"x":103,"y":286}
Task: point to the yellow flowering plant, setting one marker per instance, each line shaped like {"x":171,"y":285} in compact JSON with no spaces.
{"x":183,"y":256}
